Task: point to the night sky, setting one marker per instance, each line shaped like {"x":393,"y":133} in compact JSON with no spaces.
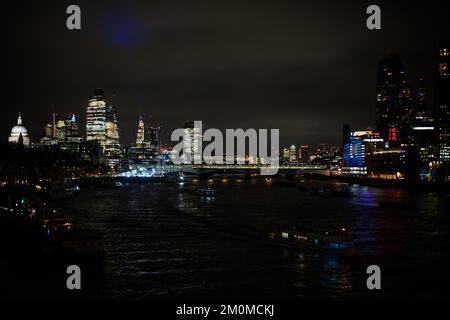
{"x":306,"y":67}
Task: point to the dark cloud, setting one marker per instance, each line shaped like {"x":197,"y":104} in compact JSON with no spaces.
{"x":306,"y":67}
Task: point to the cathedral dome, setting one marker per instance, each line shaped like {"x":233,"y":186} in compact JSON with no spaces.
{"x":19,"y":128}
{"x":19,"y":132}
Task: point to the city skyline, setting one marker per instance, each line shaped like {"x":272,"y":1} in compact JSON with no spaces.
{"x":398,"y":107}
{"x":272,"y":153}
{"x":150,"y":69}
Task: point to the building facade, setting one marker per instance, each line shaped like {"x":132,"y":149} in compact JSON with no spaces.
{"x":394,"y":102}
{"x":19,"y":134}
{"x":442,"y":99}
{"x":102,"y":126}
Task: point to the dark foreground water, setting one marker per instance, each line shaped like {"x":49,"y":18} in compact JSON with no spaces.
{"x":163,"y":241}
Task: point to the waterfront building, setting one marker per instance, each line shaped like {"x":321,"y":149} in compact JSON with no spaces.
{"x":360,"y":144}
{"x":442,"y":99}
{"x":19,"y":134}
{"x":386,"y":164}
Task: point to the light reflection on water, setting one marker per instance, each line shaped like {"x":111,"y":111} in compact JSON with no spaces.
{"x":163,"y":240}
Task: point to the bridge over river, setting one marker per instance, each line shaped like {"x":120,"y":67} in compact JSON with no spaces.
{"x":211,"y":169}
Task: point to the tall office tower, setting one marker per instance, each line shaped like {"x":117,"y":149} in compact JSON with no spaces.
{"x":102,"y":126}
{"x":112,"y":147}
{"x":96,"y":118}
{"x":395,"y":102}
{"x":140,"y":136}
{"x":286,"y":155}
{"x":423,"y":125}
{"x":72,"y":140}
{"x":346,"y":133}
{"x":154,"y":138}
{"x":61,"y":131}
{"x":421,"y":97}
{"x":148,"y":137}
{"x":192,"y":142}
{"x":48,"y":130}
{"x":292,"y":154}
{"x":442,"y":98}
{"x":54,"y":132}
{"x":304,"y":154}
{"x":71,"y":125}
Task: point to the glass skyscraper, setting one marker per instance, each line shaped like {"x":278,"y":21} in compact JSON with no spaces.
{"x":395,"y":102}
{"x":102,"y":126}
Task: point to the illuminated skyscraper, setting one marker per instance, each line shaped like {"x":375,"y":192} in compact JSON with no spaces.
{"x":96,"y":118}
{"x":148,"y":137}
{"x":286,"y":155}
{"x":61,"y":131}
{"x":423,"y":125}
{"x":72,"y":140}
{"x":71,"y":125}
{"x":395,"y":102}
{"x":304,"y":154}
{"x":442,"y":98}
{"x":140,"y":136}
{"x":112,"y":145}
{"x":102,"y":126}
{"x":192,"y":141}
{"x":292,"y":154}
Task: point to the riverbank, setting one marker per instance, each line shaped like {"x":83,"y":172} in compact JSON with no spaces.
{"x":384,"y":183}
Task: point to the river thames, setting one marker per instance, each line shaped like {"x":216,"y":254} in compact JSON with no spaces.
{"x":164,"y":241}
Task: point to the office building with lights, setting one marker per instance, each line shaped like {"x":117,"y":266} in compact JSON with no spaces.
{"x":192,"y":142}
{"x":102,"y":126}
{"x":293,"y":154}
{"x":303,"y":154}
{"x":442,"y":99}
{"x":147,"y":148}
{"x":394,"y":102}
{"x":359,"y":145}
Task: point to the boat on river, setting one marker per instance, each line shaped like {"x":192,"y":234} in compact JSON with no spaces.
{"x":206,"y":192}
{"x":334,"y":241}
